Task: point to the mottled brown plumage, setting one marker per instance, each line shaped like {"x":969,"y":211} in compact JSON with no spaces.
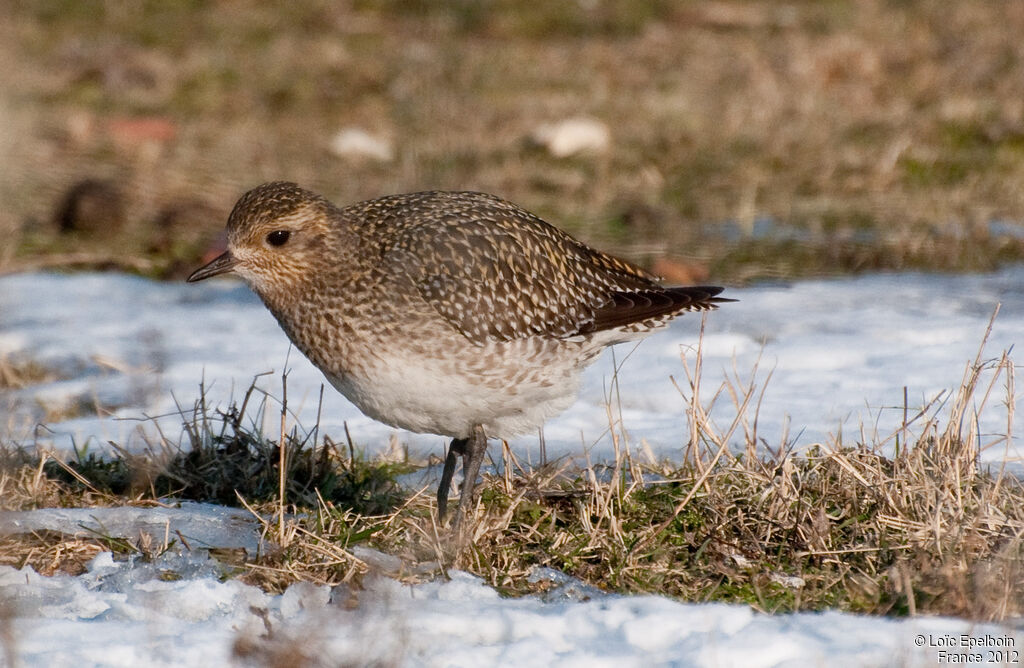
{"x":455,"y":313}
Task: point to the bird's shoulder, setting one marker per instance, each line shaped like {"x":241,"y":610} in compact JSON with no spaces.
{"x":493,"y":270}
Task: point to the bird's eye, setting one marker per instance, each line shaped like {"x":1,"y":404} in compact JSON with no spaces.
{"x":278,"y":237}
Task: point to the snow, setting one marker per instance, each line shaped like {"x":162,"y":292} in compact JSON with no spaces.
{"x":203,"y":524}
{"x":122,"y":614}
{"x":840,"y":353}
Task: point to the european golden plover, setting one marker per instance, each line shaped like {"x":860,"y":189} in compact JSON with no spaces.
{"x":450,"y":313}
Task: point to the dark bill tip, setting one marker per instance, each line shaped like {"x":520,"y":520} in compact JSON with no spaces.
{"x":222,"y":264}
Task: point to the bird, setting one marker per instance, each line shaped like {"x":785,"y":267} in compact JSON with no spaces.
{"x":453,"y":313}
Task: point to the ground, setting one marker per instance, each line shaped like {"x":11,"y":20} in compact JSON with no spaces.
{"x":747,"y":139}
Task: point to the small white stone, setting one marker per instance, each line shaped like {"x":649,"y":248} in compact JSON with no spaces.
{"x":572,"y":136}
{"x":357,"y":143}
{"x":741,"y":560}
{"x":787,"y":581}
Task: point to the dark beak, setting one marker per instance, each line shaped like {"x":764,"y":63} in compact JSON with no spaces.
{"x":222,"y":264}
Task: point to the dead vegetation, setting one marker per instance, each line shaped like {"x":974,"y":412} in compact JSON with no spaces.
{"x":900,"y":524}
{"x":15,"y":374}
{"x":748,"y":139}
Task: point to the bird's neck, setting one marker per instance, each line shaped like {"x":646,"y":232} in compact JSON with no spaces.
{"x":317,"y":323}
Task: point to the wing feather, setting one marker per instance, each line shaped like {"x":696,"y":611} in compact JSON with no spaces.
{"x":496,"y":272}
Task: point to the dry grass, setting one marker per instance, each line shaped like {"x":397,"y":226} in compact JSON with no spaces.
{"x":873,"y":134}
{"x":842,"y":526}
{"x":49,"y":553}
{"x":15,"y":374}
{"x":903,"y":524}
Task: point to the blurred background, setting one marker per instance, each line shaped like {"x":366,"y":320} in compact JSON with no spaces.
{"x":736,"y":141}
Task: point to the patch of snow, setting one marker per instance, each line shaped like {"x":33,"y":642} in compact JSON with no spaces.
{"x":839,"y":353}
{"x":68,"y":621}
{"x":200,"y":524}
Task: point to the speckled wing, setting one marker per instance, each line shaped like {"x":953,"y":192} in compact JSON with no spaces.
{"x":496,"y":272}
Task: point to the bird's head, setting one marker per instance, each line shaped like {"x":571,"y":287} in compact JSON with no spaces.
{"x":276,"y":238}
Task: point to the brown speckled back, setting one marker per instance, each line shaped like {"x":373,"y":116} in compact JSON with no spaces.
{"x":495,"y":271}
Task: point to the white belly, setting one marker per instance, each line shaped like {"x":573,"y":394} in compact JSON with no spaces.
{"x":508,"y":388}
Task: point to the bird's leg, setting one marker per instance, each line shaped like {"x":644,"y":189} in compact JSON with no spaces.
{"x":458,"y":447}
{"x":473,"y":457}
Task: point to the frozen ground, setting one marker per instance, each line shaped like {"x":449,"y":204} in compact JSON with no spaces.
{"x":128,"y":614}
{"x":841,"y":353}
